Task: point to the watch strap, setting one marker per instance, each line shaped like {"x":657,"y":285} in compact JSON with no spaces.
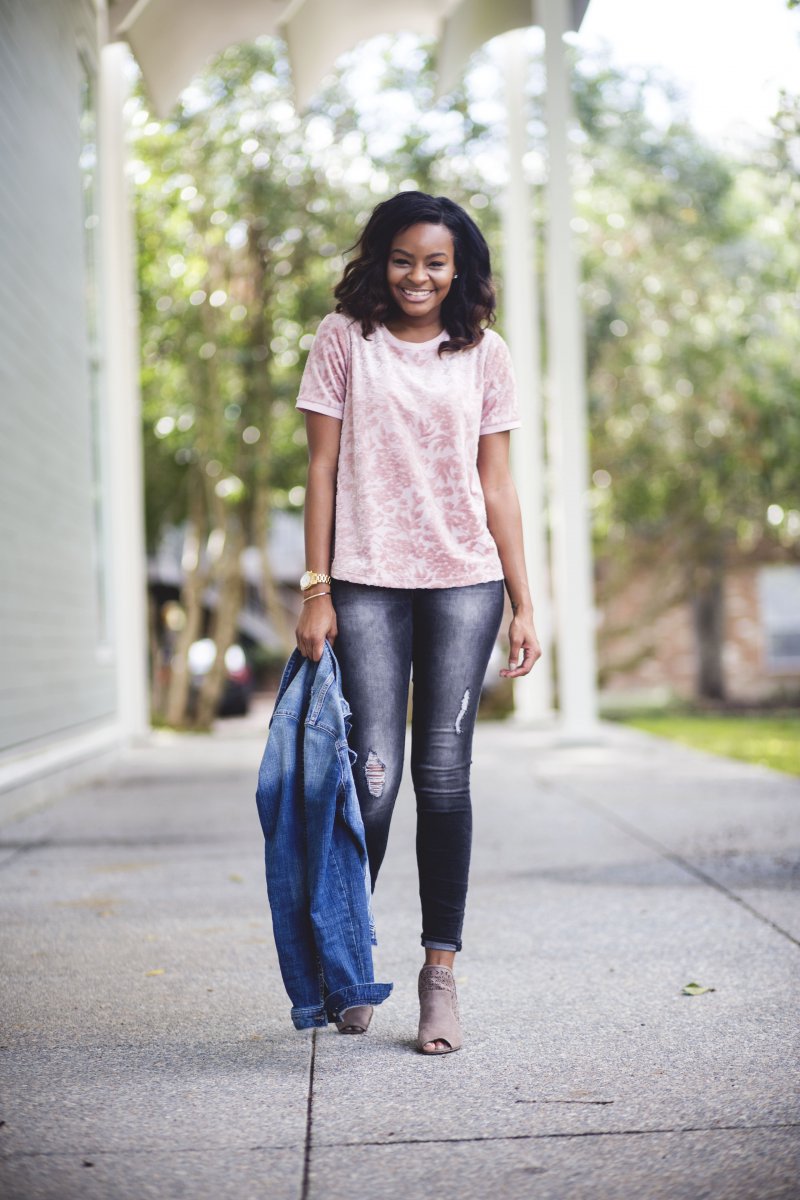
{"x":312,"y":577}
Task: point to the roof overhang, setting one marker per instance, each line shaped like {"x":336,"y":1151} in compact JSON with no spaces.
{"x":172,"y":40}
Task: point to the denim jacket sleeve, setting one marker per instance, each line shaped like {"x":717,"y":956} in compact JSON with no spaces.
{"x":316,"y":862}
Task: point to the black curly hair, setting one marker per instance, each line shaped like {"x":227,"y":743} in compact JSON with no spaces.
{"x":468,"y":308}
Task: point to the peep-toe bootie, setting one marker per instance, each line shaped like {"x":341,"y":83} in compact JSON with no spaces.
{"x":438,"y":1009}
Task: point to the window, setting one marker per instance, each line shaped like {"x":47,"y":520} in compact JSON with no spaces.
{"x":779,"y":600}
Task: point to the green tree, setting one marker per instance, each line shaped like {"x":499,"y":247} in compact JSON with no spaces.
{"x":695,"y":421}
{"x":244,"y":210}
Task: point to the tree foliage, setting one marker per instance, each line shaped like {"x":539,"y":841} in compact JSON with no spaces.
{"x":690,"y":265}
{"x":245,"y":211}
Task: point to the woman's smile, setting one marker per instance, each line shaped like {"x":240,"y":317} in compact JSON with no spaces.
{"x":415,"y":294}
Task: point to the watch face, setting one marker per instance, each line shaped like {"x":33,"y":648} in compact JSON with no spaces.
{"x":305,"y":580}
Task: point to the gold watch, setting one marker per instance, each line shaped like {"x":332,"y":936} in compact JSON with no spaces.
{"x":309,"y":578}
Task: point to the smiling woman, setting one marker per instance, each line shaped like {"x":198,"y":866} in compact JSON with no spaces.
{"x":422,"y":265}
{"x":412,"y":527}
{"x":420,"y":274}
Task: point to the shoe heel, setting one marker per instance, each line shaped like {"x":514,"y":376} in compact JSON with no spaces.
{"x":356,"y":1019}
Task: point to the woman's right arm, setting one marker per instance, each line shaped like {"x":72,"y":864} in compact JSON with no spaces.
{"x":317,"y":617}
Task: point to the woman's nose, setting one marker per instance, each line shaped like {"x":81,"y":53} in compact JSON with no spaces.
{"x":418,"y":274}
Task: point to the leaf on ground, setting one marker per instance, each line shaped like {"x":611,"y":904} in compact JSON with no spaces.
{"x":695,"y":989}
{"x":157,"y":971}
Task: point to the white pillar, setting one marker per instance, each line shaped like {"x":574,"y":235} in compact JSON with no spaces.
{"x":533,"y":695}
{"x":121,"y":385}
{"x":568,"y":432}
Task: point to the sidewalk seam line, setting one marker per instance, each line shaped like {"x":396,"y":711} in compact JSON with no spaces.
{"x":304,"y":1186}
{"x":531,"y":1137}
{"x":8,"y":1155}
{"x":21,"y":848}
{"x":672,"y":855}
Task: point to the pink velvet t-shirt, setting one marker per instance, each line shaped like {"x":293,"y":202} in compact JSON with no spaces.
{"x":410,"y":511}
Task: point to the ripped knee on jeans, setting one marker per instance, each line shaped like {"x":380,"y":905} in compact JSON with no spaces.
{"x":462,"y":711}
{"x":375,"y":771}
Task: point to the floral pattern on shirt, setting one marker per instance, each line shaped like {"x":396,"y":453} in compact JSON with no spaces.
{"x":410,"y":511}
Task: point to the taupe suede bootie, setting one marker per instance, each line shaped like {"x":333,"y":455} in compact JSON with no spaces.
{"x":356,"y":1019}
{"x":438,"y":1009}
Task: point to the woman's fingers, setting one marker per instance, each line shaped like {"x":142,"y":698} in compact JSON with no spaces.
{"x":311,"y":643}
{"x":314,"y":647}
{"x":531,"y":655}
{"x":522,"y":669}
{"x":531,"y":652}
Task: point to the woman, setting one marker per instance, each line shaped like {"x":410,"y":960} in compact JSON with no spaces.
{"x":412,"y":525}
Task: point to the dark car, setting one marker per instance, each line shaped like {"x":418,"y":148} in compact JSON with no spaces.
{"x":235,"y":698}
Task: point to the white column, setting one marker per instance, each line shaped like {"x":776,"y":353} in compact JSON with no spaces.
{"x":121,"y":384}
{"x":533,"y":695}
{"x":568,"y":433}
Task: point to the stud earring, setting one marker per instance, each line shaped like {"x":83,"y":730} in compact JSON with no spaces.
{"x":455,"y":277}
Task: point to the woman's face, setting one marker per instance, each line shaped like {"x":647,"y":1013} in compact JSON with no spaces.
{"x":420,"y":269}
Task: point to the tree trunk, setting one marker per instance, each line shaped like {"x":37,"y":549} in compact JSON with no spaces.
{"x":194,"y":585}
{"x":259,"y":405}
{"x":156,"y":655}
{"x":708,"y":611}
{"x":270,"y":596}
{"x":225,"y":620}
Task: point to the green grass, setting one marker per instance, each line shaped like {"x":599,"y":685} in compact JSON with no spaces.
{"x":768,"y":740}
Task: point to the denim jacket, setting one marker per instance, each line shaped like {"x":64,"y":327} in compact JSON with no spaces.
{"x":318,"y":879}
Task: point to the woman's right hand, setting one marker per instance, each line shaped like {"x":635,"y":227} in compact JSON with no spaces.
{"x":317,"y":622}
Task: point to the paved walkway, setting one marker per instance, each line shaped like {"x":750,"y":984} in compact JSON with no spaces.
{"x":147,"y":1047}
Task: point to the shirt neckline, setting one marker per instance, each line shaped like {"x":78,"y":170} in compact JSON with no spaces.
{"x":411,"y":346}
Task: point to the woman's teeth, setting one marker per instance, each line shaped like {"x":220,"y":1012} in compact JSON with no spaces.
{"x":416,"y":295}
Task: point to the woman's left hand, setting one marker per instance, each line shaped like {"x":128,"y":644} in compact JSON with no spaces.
{"x":521,"y":637}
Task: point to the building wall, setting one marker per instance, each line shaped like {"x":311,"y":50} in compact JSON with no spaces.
{"x":656,"y":659}
{"x":743,"y":655}
{"x":57,"y":674}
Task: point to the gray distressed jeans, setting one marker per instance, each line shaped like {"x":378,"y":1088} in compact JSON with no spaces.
{"x":444,"y":638}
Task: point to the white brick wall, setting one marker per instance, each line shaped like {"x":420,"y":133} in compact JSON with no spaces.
{"x":55,"y":677}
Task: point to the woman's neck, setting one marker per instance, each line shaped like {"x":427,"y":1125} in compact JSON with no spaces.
{"x":412,"y":331}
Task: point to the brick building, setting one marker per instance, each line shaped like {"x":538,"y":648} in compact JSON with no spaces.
{"x":648,"y":648}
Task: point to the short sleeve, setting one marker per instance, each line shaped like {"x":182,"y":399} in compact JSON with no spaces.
{"x":500,"y":404}
{"x":324,"y":383}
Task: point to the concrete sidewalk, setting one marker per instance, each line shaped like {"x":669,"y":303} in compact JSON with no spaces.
{"x":148,"y":1051}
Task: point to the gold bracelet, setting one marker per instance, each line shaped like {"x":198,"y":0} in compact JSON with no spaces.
{"x":315,"y":596}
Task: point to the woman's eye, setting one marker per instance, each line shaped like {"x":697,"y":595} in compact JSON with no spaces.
{"x":401,"y":262}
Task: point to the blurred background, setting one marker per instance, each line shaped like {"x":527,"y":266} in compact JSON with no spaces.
{"x":173,"y":223}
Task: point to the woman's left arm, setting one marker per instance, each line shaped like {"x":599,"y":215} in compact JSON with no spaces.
{"x":505,"y":525}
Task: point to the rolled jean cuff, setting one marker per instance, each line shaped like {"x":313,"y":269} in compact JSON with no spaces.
{"x":354,"y":996}
{"x":430,"y":944}
{"x":310,"y":1017}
